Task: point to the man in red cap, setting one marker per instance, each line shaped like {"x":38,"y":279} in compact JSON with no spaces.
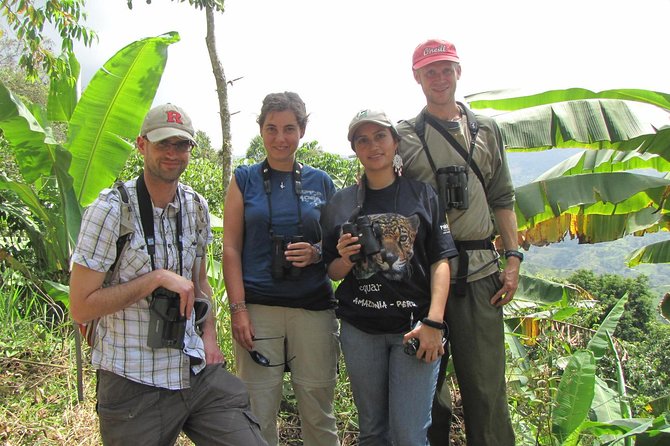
{"x":463,"y":157}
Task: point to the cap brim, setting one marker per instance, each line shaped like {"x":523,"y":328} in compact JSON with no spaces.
{"x":168,"y":132}
{"x":365,"y":121}
{"x":429,"y":60}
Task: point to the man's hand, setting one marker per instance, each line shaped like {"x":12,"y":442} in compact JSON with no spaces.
{"x":509,"y":277}
{"x":213,"y":354}
{"x":182,"y":286}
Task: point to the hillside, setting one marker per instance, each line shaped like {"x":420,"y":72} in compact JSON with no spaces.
{"x":562,"y":259}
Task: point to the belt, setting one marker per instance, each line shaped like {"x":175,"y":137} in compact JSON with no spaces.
{"x":461,"y":285}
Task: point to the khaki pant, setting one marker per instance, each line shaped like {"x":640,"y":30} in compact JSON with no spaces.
{"x":477,"y":344}
{"x":309,"y":339}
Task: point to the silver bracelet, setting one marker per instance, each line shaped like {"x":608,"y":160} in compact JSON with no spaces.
{"x":237,"y":307}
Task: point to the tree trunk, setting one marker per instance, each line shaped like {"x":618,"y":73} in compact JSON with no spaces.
{"x":222,"y":92}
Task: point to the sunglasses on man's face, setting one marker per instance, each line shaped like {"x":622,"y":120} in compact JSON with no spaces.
{"x":182,"y":146}
{"x":261,"y":360}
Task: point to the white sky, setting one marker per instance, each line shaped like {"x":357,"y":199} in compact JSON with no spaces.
{"x":350,"y":54}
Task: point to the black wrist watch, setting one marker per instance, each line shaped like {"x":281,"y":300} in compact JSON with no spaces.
{"x":513,"y":253}
{"x":433,"y":324}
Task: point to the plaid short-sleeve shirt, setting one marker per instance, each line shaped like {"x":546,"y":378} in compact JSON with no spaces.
{"x":121,"y":339}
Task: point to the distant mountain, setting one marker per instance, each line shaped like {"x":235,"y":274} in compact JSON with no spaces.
{"x":562,"y":259}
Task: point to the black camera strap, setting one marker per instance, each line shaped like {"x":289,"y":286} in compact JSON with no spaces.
{"x":296,"y":173}
{"x":147,"y":218}
{"x":361,"y":187}
{"x":473,"y":127}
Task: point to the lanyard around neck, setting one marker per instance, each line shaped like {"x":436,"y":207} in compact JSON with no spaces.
{"x":361,"y":188}
{"x":147,"y":218}
{"x":296,"y":173}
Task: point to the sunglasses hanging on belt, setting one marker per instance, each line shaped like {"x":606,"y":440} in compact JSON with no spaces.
{"x":263,"y":361}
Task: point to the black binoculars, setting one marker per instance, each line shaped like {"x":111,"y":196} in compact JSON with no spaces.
{"x":282,"y":268}
{"x":452,"y":187}
{"x":166,"y":325}
{"x":368,"y":234}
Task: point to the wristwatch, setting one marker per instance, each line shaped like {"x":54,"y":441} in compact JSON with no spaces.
{"x":513,"y":253}
{"x":319,"y":252}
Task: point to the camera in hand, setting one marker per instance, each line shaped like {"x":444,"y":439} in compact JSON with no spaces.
{"x":452,"y":187}
{"x":412,"y":346}
{"x":368,"y":234}
{"x":166,"y":325}
{"x":281,"y":267}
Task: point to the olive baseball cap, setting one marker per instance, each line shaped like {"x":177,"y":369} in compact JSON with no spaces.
{"x":166,"y":121}
{"x":367,"y":115}
{"x":433,"y":50}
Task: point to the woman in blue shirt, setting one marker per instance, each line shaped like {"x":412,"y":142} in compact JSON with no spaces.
{"x":281,"y":300}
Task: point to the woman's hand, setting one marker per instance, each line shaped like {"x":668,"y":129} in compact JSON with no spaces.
{"x":347,"y":246}
{"x":431,"y":347}
{"x":243,"y":330}
{"x":301,"y":254}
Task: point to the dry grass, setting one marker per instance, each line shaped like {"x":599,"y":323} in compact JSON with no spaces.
{"x":38,"y":398}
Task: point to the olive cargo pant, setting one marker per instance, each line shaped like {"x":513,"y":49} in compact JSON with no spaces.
{"x":477,"y":343}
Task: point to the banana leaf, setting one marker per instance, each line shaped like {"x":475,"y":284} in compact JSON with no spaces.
{"x":654,"y":253}
{"x":516,"y":99}
{"x":575,"y":394}
{"x":108,"y":117}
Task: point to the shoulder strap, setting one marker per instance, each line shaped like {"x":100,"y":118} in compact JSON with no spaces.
{"x":87,"y":330}
{"x":473,"y":127}
{"x":126,"y":229}
{"x":200,"y":224}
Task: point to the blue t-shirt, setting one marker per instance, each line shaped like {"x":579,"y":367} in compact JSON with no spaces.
{"x":312,"y":289}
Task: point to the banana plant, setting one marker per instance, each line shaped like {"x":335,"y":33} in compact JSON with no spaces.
{"x":101,"y":127}
{"x":601,"y":194}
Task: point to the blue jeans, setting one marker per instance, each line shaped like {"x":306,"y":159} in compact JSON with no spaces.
{"x":393,"y":391}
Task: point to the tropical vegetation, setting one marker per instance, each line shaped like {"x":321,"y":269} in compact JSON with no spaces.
{"x":588,"y":358}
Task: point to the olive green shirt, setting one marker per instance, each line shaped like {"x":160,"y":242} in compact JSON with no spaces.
{"x":476,"y":222}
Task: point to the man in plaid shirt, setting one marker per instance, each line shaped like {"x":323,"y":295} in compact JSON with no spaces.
{"x":149,"y":394}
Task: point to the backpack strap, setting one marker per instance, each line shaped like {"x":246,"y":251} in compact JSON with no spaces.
{"x":87,"y":330}
{"x":127,"y":227}
{"x":200,"y":225}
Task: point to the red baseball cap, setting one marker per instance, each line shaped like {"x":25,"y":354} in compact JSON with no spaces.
{"x":433,"y":50}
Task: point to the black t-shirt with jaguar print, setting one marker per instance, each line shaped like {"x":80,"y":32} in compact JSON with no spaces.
{"x":386,"y":291}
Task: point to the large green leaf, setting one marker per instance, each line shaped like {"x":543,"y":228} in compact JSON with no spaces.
{"x":605,"y":405}
{"x":535,"y":289}
{"x":599,"y":343}
{"x":575,"y":394}
{"x":591,"y":124}
{"x":52,"y":245}
{"x":63,"y":95}
{"x":647,"y":431}
{"x":515,"y":99}
{"x":611,"y":193}
{"x":109,"y":115}
{"x":665,"y":307}
{"x":595,"y":161}
{"x":654,"y":253}
{"x":26,"y":136}
{"x":590,"y":228}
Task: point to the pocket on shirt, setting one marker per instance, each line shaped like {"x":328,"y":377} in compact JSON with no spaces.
{"x":136,"y":258}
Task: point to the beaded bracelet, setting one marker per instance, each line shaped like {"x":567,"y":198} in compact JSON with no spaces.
{"x":237,"y":307}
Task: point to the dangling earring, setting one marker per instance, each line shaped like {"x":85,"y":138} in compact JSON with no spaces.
{"x":397,"y":164}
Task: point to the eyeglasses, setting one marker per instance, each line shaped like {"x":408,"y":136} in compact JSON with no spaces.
{"x":179,"y":147}
{"x":261,"y":360}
